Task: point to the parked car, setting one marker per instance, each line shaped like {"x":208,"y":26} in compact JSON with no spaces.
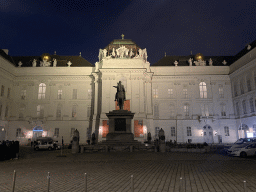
{"x":244,"y":150}
{"x":47,"y":145}
{"x":240,"y":142}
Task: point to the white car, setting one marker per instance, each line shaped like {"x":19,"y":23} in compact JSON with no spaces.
{"x":48,"y":145}
{"x":243,"y":151}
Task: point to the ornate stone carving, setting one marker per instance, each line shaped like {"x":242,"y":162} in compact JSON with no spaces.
{"x":210,"y":62}
{"x":66,"y":84}
{"x":69,"y":63}
{"x":190,"y":61}
{"x":34,"y":63}
{"x":45,"y":63}
{"x":249,"y":47}
{"x":176,"y":63}
{"x":54,"y":62}
{"x":224,"y":62}
{"x":20,"y":63}
{"x":200,"y":63}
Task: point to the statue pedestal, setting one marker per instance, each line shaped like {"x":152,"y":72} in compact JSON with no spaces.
{"x":120,"y":126}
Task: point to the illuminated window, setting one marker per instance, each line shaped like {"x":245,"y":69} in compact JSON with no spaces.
{"x":189,"y":132}
{"x":40,"y":111}
{"x":41,"y":91}
{"x":226,"y":130}
{"x":6,"y":111}
{"x":23,"y":94}
{"x":186,"y":111}
{"x":74,"y":94}
{"x":59,"y":94}
{"x":203,"y":90}
{"x":185,"y":93}
{"x":2,"y":91}
{"x":249,"y":88}
{"x":56,"y":132}
{"x":9,"y":93}
{"x":244,"y":106}
{"x":170,"y":93}
{"x":155,"y":93}
{"x":173,"y":132}
{"x":156,"y":111}
{"x":251,"y":105}
{"x":221,"y":92}
{"x":74,"y":110}
{"x":89,"y":94}
{"x":241,"y":87}
{"x":58,"y":112}
{"x":223,"y":110}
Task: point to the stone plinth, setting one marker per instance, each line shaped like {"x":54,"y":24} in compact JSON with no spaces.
{"x":120,"y":126}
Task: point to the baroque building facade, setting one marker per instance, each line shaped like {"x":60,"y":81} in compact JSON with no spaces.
{"x":192,"y":98}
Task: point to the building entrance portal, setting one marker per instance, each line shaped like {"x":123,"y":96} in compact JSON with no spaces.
{"x":37,"y":132}
{"x":242,"y":131}
{"x":208,"y":136}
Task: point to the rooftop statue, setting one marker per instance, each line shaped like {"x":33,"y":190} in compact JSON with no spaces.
{"x":54,"y":62}
{"x":210,"y":62}
{"x":45,"y":63}
{"x":190,"y":61}
{"x":34,"y":63}
{"x":120,"y":95}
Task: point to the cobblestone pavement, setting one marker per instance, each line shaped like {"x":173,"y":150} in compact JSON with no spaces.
{"x":112,"y":172}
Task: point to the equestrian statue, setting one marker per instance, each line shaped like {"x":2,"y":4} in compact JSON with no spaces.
{"x":120,"y":95}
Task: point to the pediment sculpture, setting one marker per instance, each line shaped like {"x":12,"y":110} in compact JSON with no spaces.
{"x":200,"y":63}
{"x":45,"y":63}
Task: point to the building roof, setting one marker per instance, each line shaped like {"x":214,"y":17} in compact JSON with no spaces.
{"x":6,"y":56}
{"x":183,"y":60}
{"x":77,"y":61}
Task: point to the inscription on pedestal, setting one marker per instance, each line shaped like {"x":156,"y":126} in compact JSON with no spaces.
{"x":120,"y":124}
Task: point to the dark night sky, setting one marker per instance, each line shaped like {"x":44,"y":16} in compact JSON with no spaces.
{"x":211,"y":27}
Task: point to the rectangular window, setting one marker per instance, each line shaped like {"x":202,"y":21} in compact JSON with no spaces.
{"x":89,"y":111}
{"x":59,"y":94}
{"x":221,"y":92}
{"x":244,"y":106}
{"x":185,"y":93}
{"x":2,"y":91}
{"x":251,"y":105}
{"x":241,"y":87}
{"x":205,"y":110}
{"x":18,"y":132}
{"x":223,"y":110}
{"x":170,"y":93}
{"x":40,"y":111}
{"x":74,"y":94}
{"x":9,"y":93}
{"x":249,"y":85}
{"x":41,"y":91}
{"x":23,"y":94}
{"x":226,"y":130}
{"x":6,"y":111}
{"x":173,"y":132}
{"x":172,"y":111}
{"x":189,"y":132}
{"x":237,"y":109}
{"x":72,"y":132}
{"x":156,"y":111}
{"x":235,"y":90}
{"x":1,"y":111}
{"x":58,"y":112}
{"x":56,"y":132}
{"x":186,"y":110}
{"x":155,"y":93}
{"x":89,"y":94}
{"x":74,"y":111}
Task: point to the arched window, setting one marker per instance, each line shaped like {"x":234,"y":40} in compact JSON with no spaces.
{"x":203,"y":90}
{"x":41,"y":91}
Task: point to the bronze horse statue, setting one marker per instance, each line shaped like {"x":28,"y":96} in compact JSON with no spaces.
{"x":120,"y":95}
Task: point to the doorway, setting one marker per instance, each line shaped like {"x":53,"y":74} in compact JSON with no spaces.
{"x":208,"y":134}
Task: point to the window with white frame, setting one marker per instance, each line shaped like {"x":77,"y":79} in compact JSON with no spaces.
{"x":172,"y":110}
{"x":40,"y":111}
{"x":41,"y":91}
{"x":221,"y":92}
{"x":185,"y":93}
{"x":203,"y":90}
{"x":237,"y":109}
{"x":89,"y":111}
{"x":170,"y":93}
{"x":74,"y":94}
{"x":226,"y":130}
{"x":74,"y":110}
{"x":2,"y":91}
{"x":9,"y":93}
{"x":241,"y":87}
{"x":205,"y":110}
{"x":6,"y":111}
{"x":56,"y":132}
{"x":173,"y":132}
{"x":72,"y":132}
{"x":18,"y":132}
{"x":186,"y":109}
{"x":156,"y":110}
{"x":58,"y":112}
{"x":59,"y":94}
{"x":249,"y":88}
{"x":23,"y":94}
{"x":155,"y":93}
{"x":244,"y":106}
{"x":251,"y":105}
{"x":223,"y":109}
{"x":89,"y":93}
{"x":189,"y":131}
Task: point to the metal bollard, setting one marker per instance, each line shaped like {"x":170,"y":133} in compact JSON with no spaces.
{"x":132,"y":187}
{"x":48,"y":179}
{"x":245,"y":189}
{"x":13,"y":181}
{"x":85,"y":182}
